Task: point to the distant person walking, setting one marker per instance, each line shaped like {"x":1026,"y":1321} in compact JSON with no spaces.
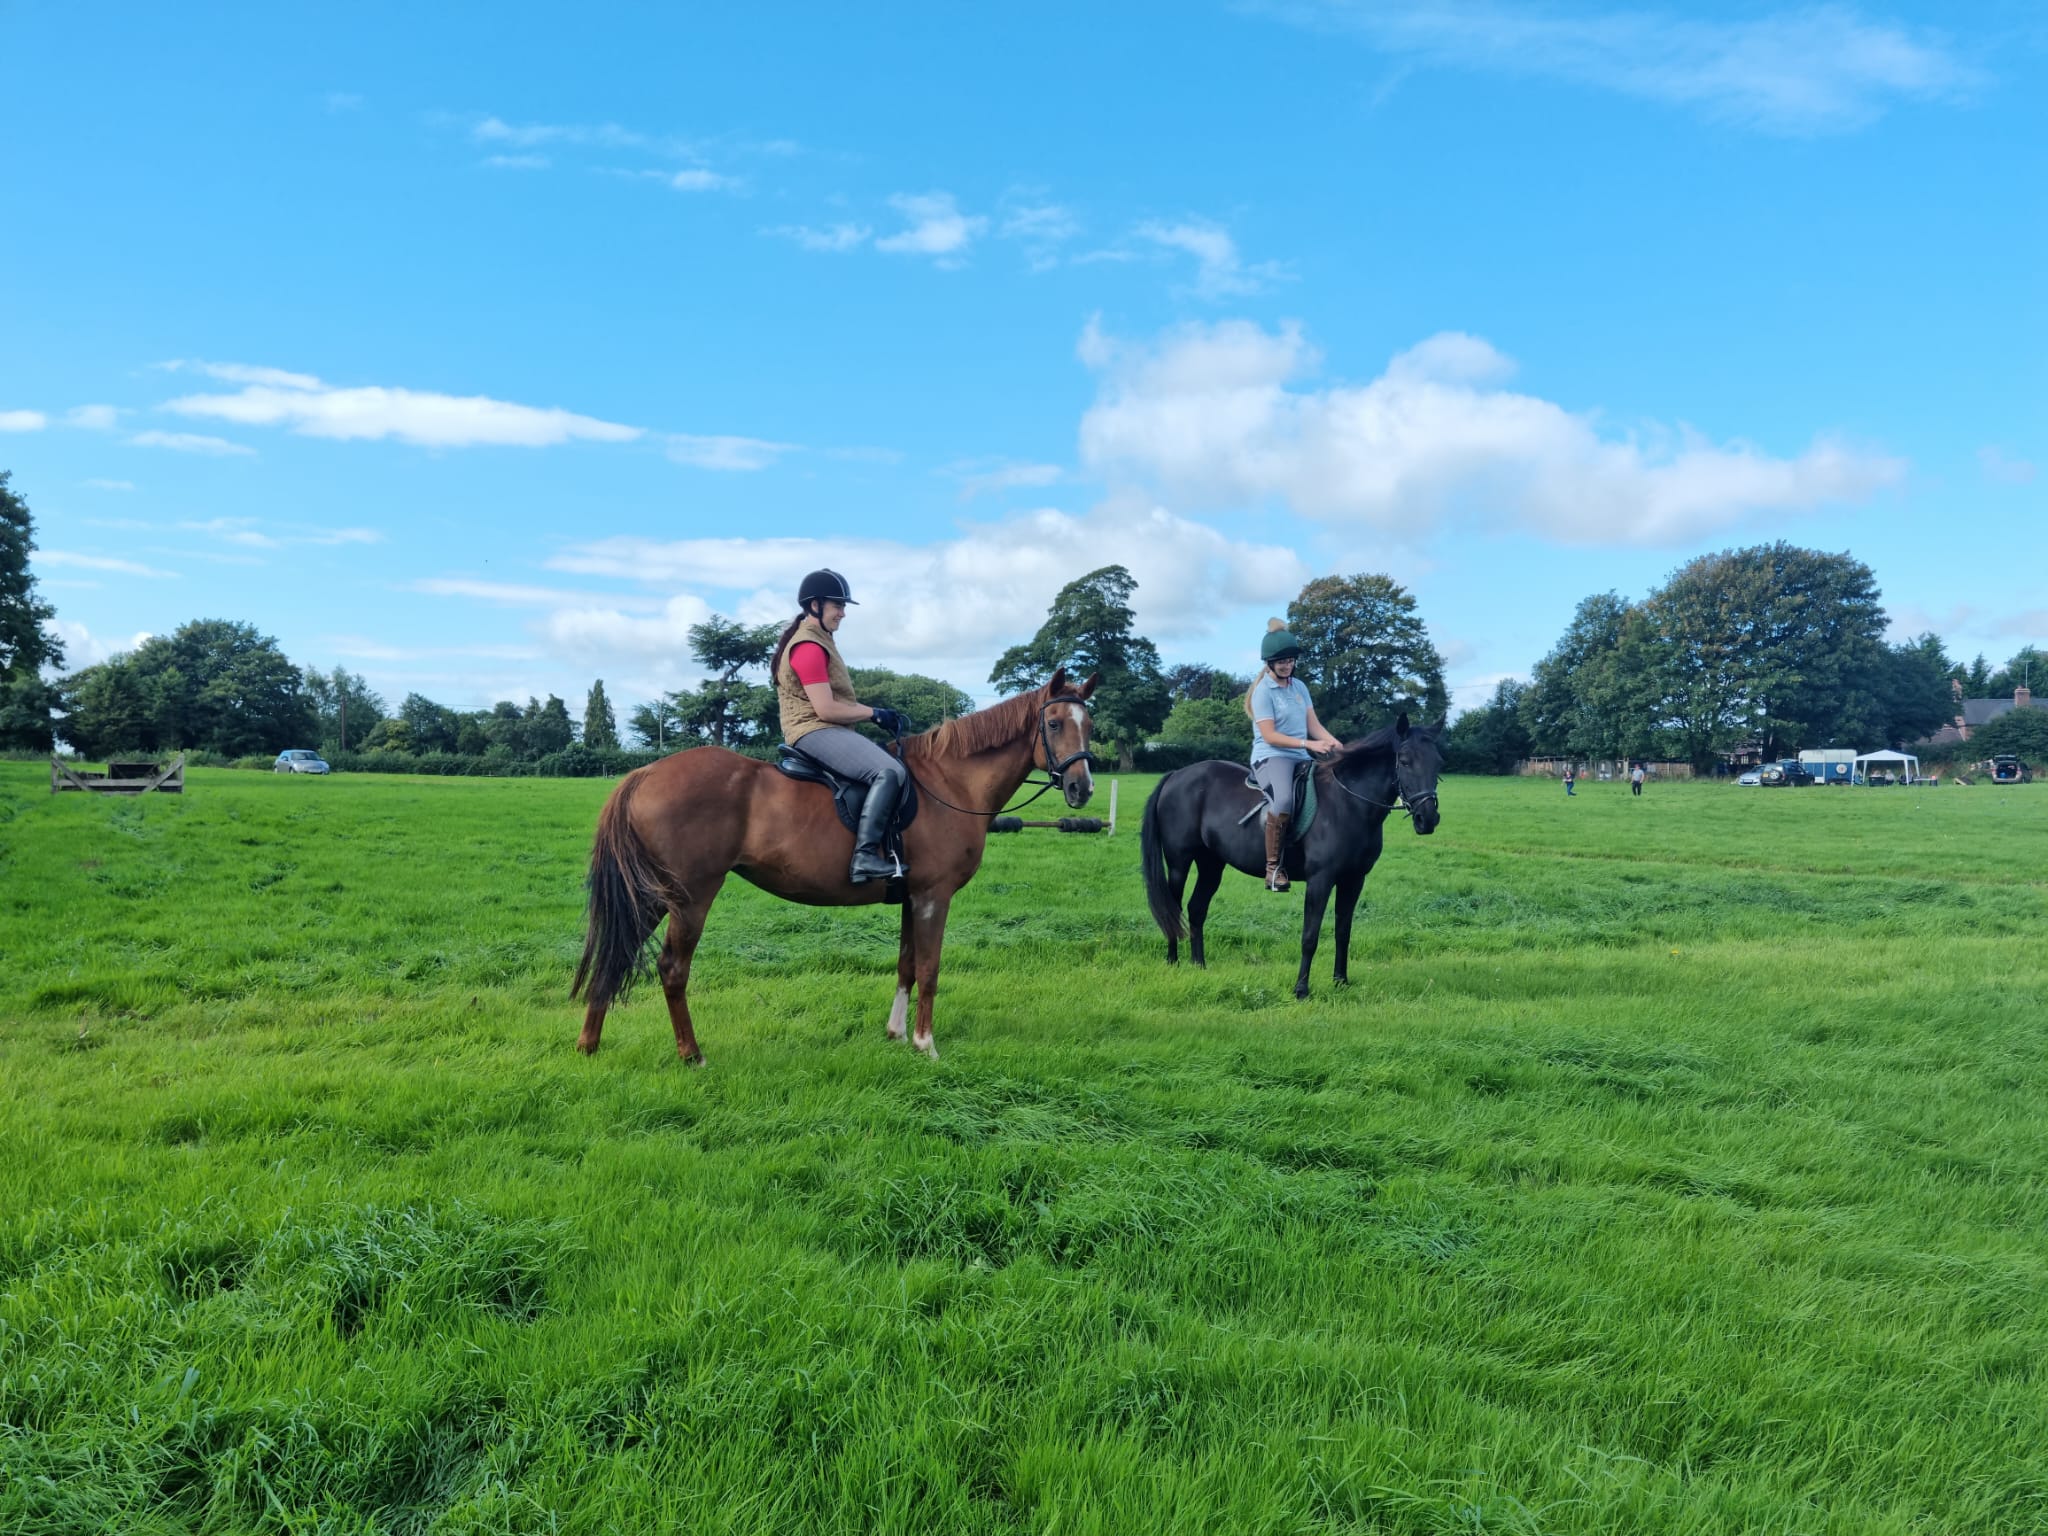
{"x":1635,"y":780}
{"x":1571,"y":777}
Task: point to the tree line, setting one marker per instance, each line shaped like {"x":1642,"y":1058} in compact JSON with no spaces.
{"x":1773,"y":648}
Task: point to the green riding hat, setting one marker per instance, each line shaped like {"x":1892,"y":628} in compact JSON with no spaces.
{"x":1279,"y":644}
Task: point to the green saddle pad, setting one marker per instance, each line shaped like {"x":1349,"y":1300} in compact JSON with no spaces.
{"x":1304,"y":803}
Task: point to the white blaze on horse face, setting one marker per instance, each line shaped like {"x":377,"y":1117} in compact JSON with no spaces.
{"x":899,"y":1013}
{"x":1080,"y":724}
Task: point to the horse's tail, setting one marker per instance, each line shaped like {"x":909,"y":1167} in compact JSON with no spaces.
{"x":627,"y":900}
{"x":1165,"y":910}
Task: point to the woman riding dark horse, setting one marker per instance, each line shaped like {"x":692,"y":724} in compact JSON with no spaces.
{"x":1288,"y":732}
{"x":1199,"y":817}
{"x":672,"y":831}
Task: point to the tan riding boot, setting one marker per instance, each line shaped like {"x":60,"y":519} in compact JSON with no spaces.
{"x":1276,"y":852}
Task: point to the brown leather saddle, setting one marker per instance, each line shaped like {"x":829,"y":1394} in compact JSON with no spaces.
{"x":848,"y":795}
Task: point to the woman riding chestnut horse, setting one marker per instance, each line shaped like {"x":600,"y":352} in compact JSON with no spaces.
{"x":672,"y":831}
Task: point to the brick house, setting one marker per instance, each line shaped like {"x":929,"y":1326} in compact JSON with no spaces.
{"x":1973,"y":713}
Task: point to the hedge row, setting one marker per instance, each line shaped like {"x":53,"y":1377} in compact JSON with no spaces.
{"x":1165,"y":756}
{"x":572,"y":762}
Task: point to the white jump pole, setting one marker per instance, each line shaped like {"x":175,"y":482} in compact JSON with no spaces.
{"x":1112,"y":807}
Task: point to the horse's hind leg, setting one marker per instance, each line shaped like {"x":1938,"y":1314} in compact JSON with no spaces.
{"x":685,"y":928}
{"x":906,"y":973}
{"x":1208,"y":876}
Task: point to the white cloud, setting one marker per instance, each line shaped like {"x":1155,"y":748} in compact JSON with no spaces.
{"x":247,"y":533}
{"x":986,"y":588}
{"x":1219,"y":270}
{"x":1040,"y":224}
{"x":979,"y":477}
{"x":191,"y":442}
{"x":937,"y":227}
{"x":493,"y":130}
{"x":362,"y":648}
{"x":110,"y":485}
{"x":698,"y":179}
{"x":23,"y":421}
{"x":82,"y":648}
{"x":726,"y":453}
{"x":65,"y":559}
{"x":1208,"y":416}
{"x":1814,"y":70}
{"x":517,"y":162}
{"x":604,"y":631}
{"x":835,"y":237}
{"x":242,"y":373}
{"x":514,"y":595}
{"x":313,"y":409}
{"x":94,"y":418}
{"x":1998,"y":466}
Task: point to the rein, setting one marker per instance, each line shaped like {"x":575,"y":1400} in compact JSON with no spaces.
{"x":1053,"y":769}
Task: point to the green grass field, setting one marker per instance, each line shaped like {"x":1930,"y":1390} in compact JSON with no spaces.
{"x":1672,"y":1165}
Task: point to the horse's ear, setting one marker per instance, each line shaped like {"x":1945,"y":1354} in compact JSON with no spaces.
{"x":1401,"y":726}
{"x":1434,"y":731}
{"x":1087,"y":689}
{"x":1058,"y":682}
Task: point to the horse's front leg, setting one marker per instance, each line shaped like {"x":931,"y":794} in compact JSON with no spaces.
{"x":1349,"y":888}
{"x":1311,"y":926}
{"x":906,"y":973}
{"x":927,"y":913}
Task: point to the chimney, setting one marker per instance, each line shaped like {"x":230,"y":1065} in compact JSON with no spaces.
{"x":2022,"y":697}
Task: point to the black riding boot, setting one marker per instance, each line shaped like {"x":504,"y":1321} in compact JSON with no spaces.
{"x":871,"y":861}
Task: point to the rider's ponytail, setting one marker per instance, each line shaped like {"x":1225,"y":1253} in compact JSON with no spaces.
{"x":775,"y":666}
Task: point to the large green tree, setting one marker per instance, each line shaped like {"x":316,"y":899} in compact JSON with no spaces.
{"x":926,"y":700}
{"x":1575,"y":703}
{"x":213,"y":684}
{"x":1913,"y":690}
{"x":1216,"y":717}
{"x":600,"y":727}
{"x":2027,"y":669}
{"x":346,"y":708}
{"x":1366,"y":654}
{"x":1491,"y":738}
{"x":1090,"y":629}
{"x":1772,"y":641}
{"x":27,"y":644}
{"x":728,"y":709}
{"x":2022,"y":732}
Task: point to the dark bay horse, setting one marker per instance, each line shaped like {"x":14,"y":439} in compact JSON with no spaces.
{"x":1192,"y":821}
{"x":672,"y":831}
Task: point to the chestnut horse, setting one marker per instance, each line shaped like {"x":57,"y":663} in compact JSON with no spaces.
{"x":672,"y":831}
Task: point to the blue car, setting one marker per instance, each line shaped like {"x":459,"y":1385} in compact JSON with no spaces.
{"x":299,"y":760}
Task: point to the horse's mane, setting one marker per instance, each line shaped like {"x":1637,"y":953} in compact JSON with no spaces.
{"x":1386,"y":736}
{"x":986,"y":729}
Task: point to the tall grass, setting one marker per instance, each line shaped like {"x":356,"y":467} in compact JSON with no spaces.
{"x":1672,"y":1165}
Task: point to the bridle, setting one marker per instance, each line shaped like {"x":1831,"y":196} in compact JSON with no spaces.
{"x":1403,"y":802}
{"x":1054,"y":770}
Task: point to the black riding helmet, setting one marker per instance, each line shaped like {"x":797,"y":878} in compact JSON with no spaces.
{"x":823,"y":587}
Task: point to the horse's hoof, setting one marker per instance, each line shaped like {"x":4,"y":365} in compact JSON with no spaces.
{"x":586,"y":1047}
{"x":929,"y":1048}
{"x":1301,"y":994}
{"x":696,"y":1059}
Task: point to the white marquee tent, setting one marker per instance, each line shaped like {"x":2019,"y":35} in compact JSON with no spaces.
{"x":1865,"y":761}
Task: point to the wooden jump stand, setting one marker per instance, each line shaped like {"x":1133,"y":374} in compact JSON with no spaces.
{"x":121,"y":778}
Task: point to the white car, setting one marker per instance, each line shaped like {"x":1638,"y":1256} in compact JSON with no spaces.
{"x":299,"y":760}
{"x":1752,"y":778}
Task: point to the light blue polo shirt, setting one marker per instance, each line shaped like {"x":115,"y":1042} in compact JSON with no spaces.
{"x":1287,"y":708}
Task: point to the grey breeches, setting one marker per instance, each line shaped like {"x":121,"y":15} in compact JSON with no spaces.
{"x":1276,"y":777}
{"x":845,"y":751}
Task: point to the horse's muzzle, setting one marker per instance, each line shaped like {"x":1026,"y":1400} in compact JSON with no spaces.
{"x":1078,"y":788}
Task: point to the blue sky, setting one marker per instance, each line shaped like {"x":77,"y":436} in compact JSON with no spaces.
{"x":485,"y":349}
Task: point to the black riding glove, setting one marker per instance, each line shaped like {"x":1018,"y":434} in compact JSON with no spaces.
{"x":894,"y":721}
